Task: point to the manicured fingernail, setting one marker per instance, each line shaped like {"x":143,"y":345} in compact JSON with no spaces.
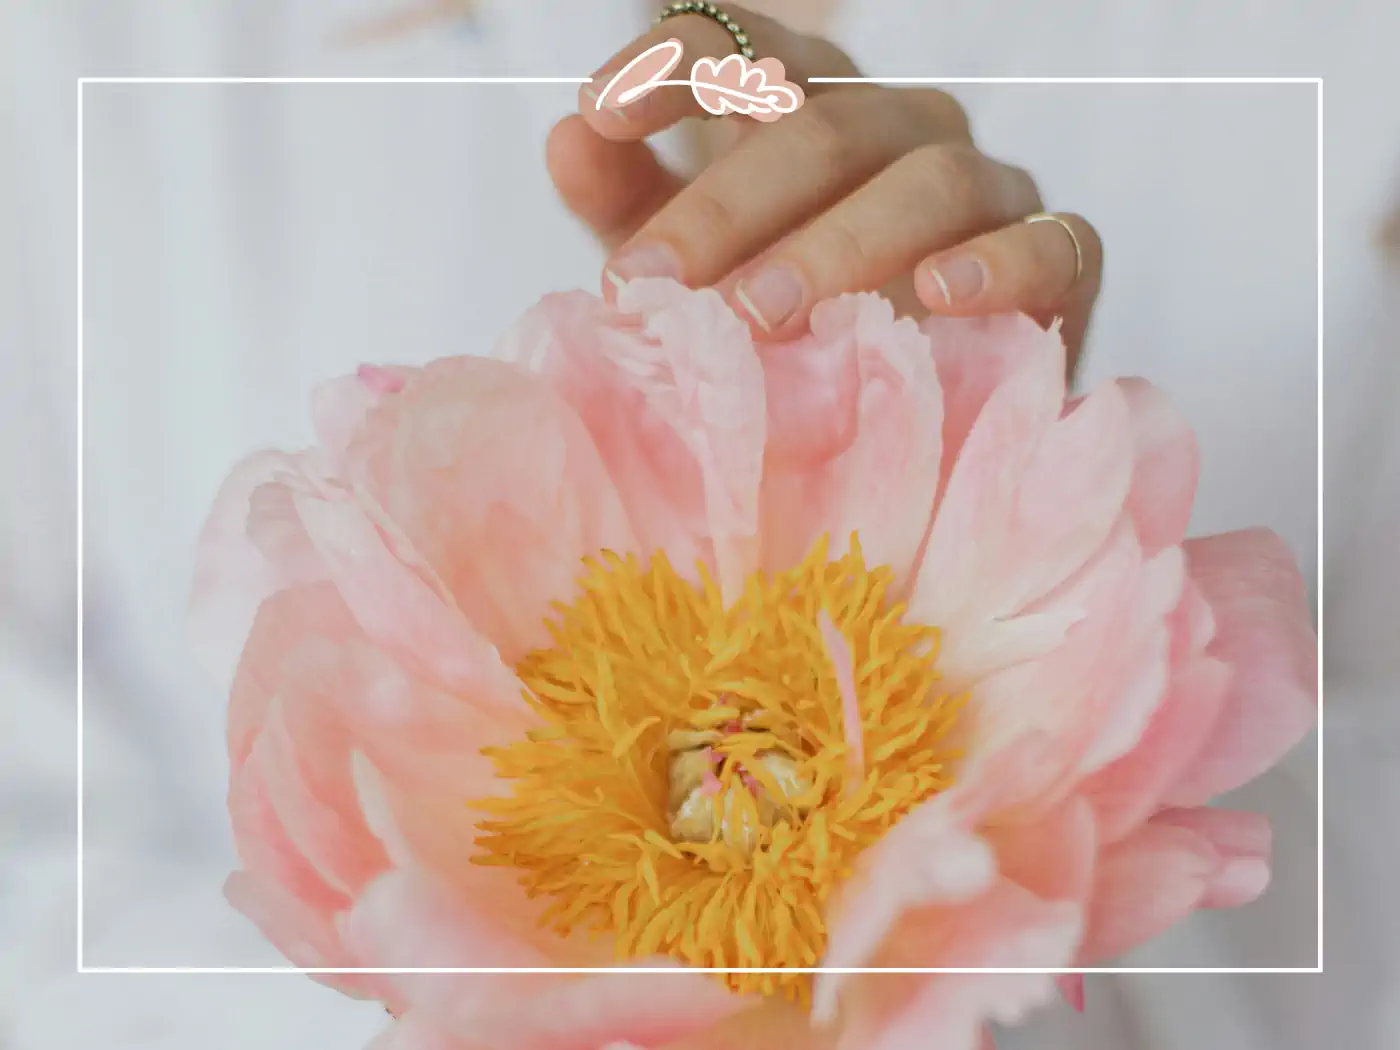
{"x":771,"y":296}
{"x":606,"y":107}
{"x":959,"y":278}
{"x":645,"y":260}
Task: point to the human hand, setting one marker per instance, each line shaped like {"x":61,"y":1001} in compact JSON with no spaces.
{"x":864,"y":187}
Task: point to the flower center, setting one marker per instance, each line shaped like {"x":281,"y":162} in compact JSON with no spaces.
{"x":706,"y":774}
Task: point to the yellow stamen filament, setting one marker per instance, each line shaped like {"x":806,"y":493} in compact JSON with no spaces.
{"x":693,"y":790}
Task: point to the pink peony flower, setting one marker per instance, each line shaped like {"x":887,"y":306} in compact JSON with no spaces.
{"x":639,"y":643}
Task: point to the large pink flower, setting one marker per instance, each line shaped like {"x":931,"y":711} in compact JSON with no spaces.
{"x":638,"y":642}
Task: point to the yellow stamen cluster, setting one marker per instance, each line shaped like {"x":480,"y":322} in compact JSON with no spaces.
{"x":691,"y":790}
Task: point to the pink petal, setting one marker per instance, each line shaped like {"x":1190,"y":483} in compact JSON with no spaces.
{"x":671,"y":391}
{"x":409,"y":920}
{"x":339,"y":406}
{"x":1264,"y":633}
{"x":1166,"y":462}
{"x":1146,"y":883}
{"x":425,"y":748}
{"x":321,"y":818}
{"x":283,"y":622}
{"x":974,"y":356}
{"x":267,"y":849}
{"x":1071,"y":987}
{"x":232,"y":577}
{"x":1031,"y":499}
{"x":403,"y":611}
{"x":1092,"y":695}
{"x":281,"y":522}
{"x":773,"y":1025}
{"x":931,"y":856}
{"x":969,"y":529}
{"x":1244,"y":842}
{"x":1127,"y":791}
{"x":305,"y":935}
{"x":1007,"y":927}
{"x":855,"y":416}
{"x":1053,"y":855}
{"x":495,"y":485}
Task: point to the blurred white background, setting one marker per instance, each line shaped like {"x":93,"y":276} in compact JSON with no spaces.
{"x":243,"y":242}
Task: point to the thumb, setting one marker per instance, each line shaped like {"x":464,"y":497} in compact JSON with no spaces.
{"x":612,"y":187}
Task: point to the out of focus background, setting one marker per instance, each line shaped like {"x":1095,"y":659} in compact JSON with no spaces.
{"x":242,"y":242}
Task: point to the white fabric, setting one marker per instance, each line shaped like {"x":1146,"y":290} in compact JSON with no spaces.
{"x":243,"y":242}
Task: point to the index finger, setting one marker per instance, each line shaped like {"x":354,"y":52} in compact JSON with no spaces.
{"x":702,"y":36}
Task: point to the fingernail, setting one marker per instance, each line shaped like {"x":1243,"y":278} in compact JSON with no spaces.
{"x":606,"y":107}
{"x":771,"y":296}
{"x":959,"y":278}
{"x":645,"y":260}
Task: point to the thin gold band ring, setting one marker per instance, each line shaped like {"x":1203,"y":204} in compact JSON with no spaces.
{"x":1046,"y":216}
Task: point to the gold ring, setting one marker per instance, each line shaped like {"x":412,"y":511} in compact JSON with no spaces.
{"x":1046,"y":216}
{"x":715,"y":14}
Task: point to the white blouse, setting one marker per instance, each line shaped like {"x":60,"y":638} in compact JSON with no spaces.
{"x":242,"y":242}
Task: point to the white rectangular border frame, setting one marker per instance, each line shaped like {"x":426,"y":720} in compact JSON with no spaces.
{"x":82,"y":969}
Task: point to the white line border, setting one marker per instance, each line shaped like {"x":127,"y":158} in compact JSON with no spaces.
{"x":171,"y":970}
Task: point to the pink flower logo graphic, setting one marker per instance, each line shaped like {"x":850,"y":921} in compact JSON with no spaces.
{"x":735,"y":85}
{"x":729,"y":85}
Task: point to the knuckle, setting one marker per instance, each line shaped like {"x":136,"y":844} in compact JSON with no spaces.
{"x":1021,"y":187}
{"x":952,"y":175}
{"x":946,"y":112}
{"x":704,"y":224}
{"x":837,"y":245}
{"x":821,"y":129}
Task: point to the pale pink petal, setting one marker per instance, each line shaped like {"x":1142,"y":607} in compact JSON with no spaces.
{"x":969,"y":530}
{"x":974,"y":356}
{"x":1094,"y":694}
{"x":339,"y":406}
{"x":409,"y":920}
{"x":1007,"y":927}
{"x":1127,"y":791}
{"x":321,"y":817}
{"x":1071,"y":987}
{"x":339,"y":700}
{"x":231,"y":577}
{"x":265,"y":846}
{"x":283,"y":522}
{"x":492,"y":479}
{"x":1264,"y":633}
{"x":283,"y":623}
{"x":672,"y":392}
{"x":1166,"y":462}
{"x":1244,"y":842}
{"x":304,"y":934}
{"x":1031,"y":499}
{"x":933,"y":855}
{"x":1130,"y":694}
{"x":399,"y":609}
{"x":1145,"y":884}
{"x":1053,"y":855}
{"x":773,"y":1025}
{"x":855,"y":421}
